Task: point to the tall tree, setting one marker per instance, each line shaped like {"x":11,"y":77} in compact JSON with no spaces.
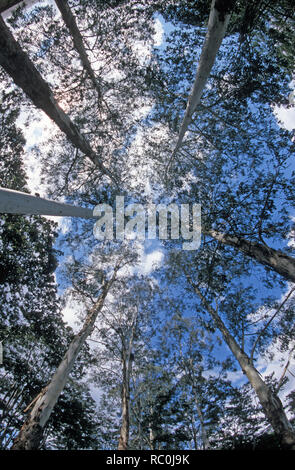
{"x":270,"y":402}
{"x":32,"y":430}
{"x":13,"y":59}
{"x":32,"y":330}
{"x":70,"y":21}
{"x":121,"y":350}
{"x":220,"y":14}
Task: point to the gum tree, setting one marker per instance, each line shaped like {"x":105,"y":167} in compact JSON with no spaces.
{"x":31,"y":433}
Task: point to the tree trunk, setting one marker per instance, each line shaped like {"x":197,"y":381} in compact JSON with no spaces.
{"x":217,"y":24}
{"x":71,"y":24}
{"x":275,"y":259}
{"x":270,"y":402}
{"x":17,"y":202}
{"x":205,"y":439}
{"x":24,"y":74}
{"x":127,"y":369}
{"x":152,"y":434}
{"x":124,"y":431}
{"x":31,"y":433}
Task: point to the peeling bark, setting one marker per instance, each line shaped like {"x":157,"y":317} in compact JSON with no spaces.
{"x":270,"y":402}
{"x":25,"y":75}
{"x":274,"y":259}
{"x":30,"y":435}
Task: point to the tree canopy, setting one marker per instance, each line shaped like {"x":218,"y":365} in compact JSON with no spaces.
{"x":140,"y":112}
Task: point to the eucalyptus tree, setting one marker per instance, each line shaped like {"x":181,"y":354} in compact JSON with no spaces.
{"x":238,"y":165}
{"x":93,"y":284}
{"x":122,"y":351}
{"x":232,"y":317}
{"x":70,"y":21}
{"x":234,"y":161}
{"x":33,"y":333}
{"x":219,"y":18}
{"x":200,"y":378}
{"x":242,"y":67}
{"x":103,"y":125}
{"x":37,"y":89}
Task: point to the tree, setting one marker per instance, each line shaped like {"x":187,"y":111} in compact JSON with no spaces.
{"x":220,"y":13}
{"x":31,"y":432}
{"x":30,"y":81}
{"x":33,"y":332}
{"x":109,"y":122}
{"x":70,"y":21}
{"x":121,"y":350}
{"x":269,"y":400}
{"x":118,"y":98}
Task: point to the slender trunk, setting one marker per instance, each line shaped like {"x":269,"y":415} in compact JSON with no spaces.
{"x":219,"y":17}
{"x":124,"y":431}
{"x":127,"y":369}
{"x":25,"y":75}
{"x":71,"y":24}
{"x":152,"y":436}
{"x":31,"y":433}
{"x":275,"y":259}
{"x":270,"y":402}
{"x":205,"y":439}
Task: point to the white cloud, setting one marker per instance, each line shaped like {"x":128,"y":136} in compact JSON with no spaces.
{"x":72,"y":311}
{"x":34,"y":133}
{"x":276,"y":366}
{"x":286,"y":116}
{"x":151,"y":261}
{"x":143,"y":49}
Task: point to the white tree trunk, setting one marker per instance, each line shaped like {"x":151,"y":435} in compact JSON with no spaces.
{"x":124,"y":430}
{"x":31,"y":433}
{"x":71,"y":24}
{"x":270,"y":402}
{"x":204,"y":435}
{"x":217,"y":25}
{"x":126,"y":369}
{"x":17,"y":202}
